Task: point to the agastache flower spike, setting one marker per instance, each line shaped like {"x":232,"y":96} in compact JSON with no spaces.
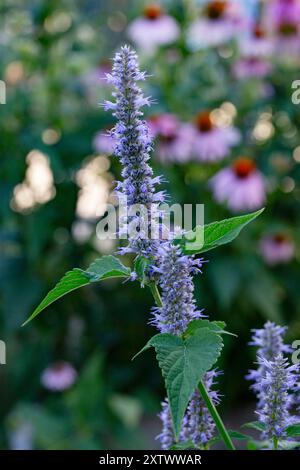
{"x":177,"y":289}
{"x":198,"y":425}
{"x":278,"y":380}
{"x":198,"y":422}
{"x":133,"y":144}
{"x":269,"y":341}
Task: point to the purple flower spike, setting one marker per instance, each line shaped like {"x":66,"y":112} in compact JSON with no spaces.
{"x":177,"y":289}
{"x":278,"y":380}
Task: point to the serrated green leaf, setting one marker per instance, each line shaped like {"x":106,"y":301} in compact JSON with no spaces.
{"x":102,"y":268}
{"x":293,"y":430}
{"x":216,"y":326}
{"x":183,"y":363}
{"x":257,"y":425}
{"x":210,"y":236}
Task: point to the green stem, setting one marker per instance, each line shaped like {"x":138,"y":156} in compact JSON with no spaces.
{"x":211,"y":407}
{"x":216,"y":417}
{"x":155,"y":293}
{"x":275,"y":443}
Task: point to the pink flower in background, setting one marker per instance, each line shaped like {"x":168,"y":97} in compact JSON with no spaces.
{"x":220,"y":22}
{"x":257,"y":43}
{"x":59,"y":376}
{"x":212,"y":143}
{"x":175,"y":138}
{"x":282,"y":18}
{"x":241,"y":186}
{"x":277,"y":248}
{"x":153,"y":29}
{"x":103,"y":143}
{"x":97,"y":76}
{"x":251,"y":67}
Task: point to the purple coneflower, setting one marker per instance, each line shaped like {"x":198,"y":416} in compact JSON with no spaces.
{"x":241,"y":186}
{"x":251,"y":67}
{"x":59,"y":376}
{"x":212,"y":143}
{"x":256,"y":44}
{"x":175,"y":138}
{"x":153,"y":29}
{"x":219,"y":23}
{"x":277,"y":248}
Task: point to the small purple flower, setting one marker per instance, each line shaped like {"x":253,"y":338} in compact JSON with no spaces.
{"x":249,"y":67}
{"x":277,"y":382}
{"x":177,"y":290}
{"x":59,"y":376}
{"x":166,"y":437}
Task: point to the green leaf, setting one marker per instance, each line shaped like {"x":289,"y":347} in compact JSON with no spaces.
{"x":233,"y":434}
{"x":140,"y":265}
{"x":257,"y":425}
{"x":183,"y":363}
{"x":210,"y":236}
{"x":216,"y":326}
{"x":293,"y":430}
{"x":183,"y":445}
{"x":103,"y":268}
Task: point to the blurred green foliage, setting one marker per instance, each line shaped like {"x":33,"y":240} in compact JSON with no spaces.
{"x":49,"y":53}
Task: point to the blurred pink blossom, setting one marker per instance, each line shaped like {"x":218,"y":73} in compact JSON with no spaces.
{"x":277,"y":248}
{"x":282,"y":18}
{"x":220,"y":22}
{"x":257,"y":43}
{"x":241,"y":186}
{"x":103,"y":143}
{"x":175,"y":138}
{"x":59,"y":376}
{"x":212,"y":143}
{"x":153,"y":29}
{"x":251,"y":67}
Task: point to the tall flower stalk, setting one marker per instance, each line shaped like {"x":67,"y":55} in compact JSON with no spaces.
{"x":172,"y":270}
{"x":133,"y":146}
{"x":269,"y":343}
{"x":276,"y":387}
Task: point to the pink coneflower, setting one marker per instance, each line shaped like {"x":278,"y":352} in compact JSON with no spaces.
{"x":241,"y":186}
{"x":277,"y":248}
{"x":174,"y":138}
{"x":251,"y":67}
{"x":282,"y":17}
{"x":153,"y":29}
{"x":220,"y":22}
{"x":59,"y":376}
{"x":257,"y":43}
{"x":103,"y":143}
{"x":212,"y":143}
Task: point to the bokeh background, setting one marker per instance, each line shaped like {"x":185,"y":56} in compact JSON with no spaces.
{"x":57,"y":177}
